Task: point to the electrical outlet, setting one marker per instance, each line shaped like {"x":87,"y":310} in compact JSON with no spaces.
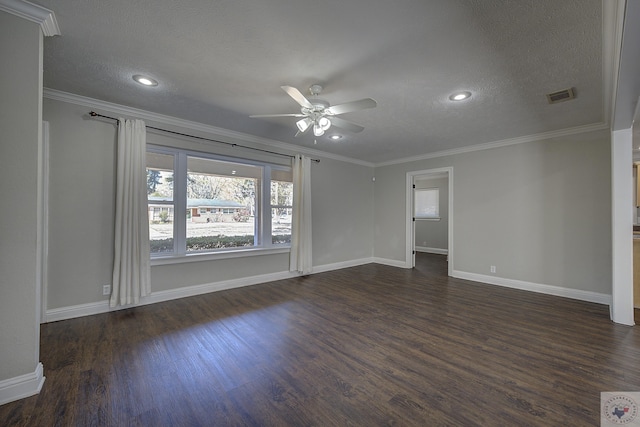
{"x":493,"y":268}
{"x":106,"y":290}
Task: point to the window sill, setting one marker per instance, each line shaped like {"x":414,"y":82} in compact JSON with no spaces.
{"x":428,"y":219}
{"x":211,"y":256}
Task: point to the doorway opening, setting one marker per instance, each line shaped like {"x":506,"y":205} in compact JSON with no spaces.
{"x":429,"y":219}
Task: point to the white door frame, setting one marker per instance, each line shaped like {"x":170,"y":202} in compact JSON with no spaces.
{"x":622,"y":226}
{"x":410,"y":235}
{"x":42,"y":244}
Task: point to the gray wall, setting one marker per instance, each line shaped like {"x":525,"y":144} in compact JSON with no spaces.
{"x":20,"y":119}
{"x":539,"y":212}
{"x":82,"y":176}
{"x":81,"y":205}
{"x":342,"y":205}
{"x":428,"y":233}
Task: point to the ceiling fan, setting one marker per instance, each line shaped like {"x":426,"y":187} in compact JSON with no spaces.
{"x":318,"y":114}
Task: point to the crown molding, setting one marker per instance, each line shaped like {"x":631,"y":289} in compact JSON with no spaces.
{"x":233,"y":136}
{"x":34,"y":13}
{"x":502,"y":143}
{"x":225,"y":135}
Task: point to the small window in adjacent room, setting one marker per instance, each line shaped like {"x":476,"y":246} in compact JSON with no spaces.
{"x":427,"y":203}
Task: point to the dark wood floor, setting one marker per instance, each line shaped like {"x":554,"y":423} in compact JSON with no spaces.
{"x":364,"y":346}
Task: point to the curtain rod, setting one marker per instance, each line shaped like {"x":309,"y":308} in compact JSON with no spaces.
{"x":94,"y":114}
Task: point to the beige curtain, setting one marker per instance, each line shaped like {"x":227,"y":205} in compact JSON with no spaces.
{"x":131,"y":250}
{"x":300,"y":259}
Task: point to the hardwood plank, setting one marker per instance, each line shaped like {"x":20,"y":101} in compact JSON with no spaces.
{"x":369,"y":345}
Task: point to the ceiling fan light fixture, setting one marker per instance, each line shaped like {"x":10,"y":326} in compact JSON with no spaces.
{"x":303,"y":124}
{"x":324,"y":123}
{"x":460,"y":96}
{"x":317,"y":130}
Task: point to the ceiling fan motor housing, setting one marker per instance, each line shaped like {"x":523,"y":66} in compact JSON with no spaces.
{"x":319,"y":105}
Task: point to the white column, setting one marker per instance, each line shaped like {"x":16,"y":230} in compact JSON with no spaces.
{"x":21,"y":372}
{"x":622,"y":226}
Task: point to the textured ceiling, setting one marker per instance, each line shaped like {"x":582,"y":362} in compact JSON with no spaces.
{"x":220,"y":61}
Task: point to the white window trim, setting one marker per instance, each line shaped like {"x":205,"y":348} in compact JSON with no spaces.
{"x":162,"y":259}
{"x":262,"y":229}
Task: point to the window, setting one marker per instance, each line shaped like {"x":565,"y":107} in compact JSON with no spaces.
{"x":281,"y":206}
{"x":202,"y":203}
{"x":426,"y":203}
{"x":160,"y":196}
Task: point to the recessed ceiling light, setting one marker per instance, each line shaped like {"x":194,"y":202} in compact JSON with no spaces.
{"x":335,"y":137}
{"x":460,"y":96}
{"x":144,"y":80}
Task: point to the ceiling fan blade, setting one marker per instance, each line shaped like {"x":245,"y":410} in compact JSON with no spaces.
{"x":346,"y":125}
{"x":348,"y":107}
{"x":297,"y":96}
{"x":278,"y":115}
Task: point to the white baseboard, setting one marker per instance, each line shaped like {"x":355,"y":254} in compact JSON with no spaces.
{"x":73,"y":311}
{"x":339,"y":265}
{"x":22,"y":386}
{"x":189,"y":291}
{"x":536,"y":287}
{"x":81,"y":310}
{"x":432,"y":250}
{"x":391,"y":262}
{"x":70,"y":312}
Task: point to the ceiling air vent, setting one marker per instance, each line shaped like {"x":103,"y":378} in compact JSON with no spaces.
{"x":561,"y":95}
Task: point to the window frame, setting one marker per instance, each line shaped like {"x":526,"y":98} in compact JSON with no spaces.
{"x":262,"y":230}
{"x":277,"y":206}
